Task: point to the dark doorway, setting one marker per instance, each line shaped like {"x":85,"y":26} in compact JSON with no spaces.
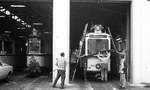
{"x":115,"y":15}
{"x":18,"y":19}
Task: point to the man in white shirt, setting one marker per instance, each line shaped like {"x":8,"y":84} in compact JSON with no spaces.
{"x":61,"y":69}
{"x":104,"y":56}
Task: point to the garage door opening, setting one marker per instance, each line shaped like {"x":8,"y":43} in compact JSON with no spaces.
{"x":115,"y":15}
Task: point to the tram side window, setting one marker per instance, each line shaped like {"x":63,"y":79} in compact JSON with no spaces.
{"x":8,"y":47}
{"x":45,"y":46}
{"x":1,"y":51}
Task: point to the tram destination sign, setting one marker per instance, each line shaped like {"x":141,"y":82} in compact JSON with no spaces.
{"x":98,"y":36}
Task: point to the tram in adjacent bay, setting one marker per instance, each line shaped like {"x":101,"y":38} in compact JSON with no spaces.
{"x":38,"y":48}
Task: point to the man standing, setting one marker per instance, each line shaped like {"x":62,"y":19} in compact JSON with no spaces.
{"x":104,"y":56}
{"x":61,"y":69}
{"x":123,"y":70}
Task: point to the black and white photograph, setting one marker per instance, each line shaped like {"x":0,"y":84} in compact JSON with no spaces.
{"x":74,"y":45}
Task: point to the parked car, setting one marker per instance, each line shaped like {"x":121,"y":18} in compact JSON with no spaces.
{"x":5,"y":71}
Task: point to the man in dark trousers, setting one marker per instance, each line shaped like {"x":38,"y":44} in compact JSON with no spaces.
{"x":123,"y":70}
{"x":61,"y":69}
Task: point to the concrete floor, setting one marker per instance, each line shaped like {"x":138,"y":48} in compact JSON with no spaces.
{"x":20,"y":81}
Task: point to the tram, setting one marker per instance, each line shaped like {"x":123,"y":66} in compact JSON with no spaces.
{"x":38,"y":49}
{"x":97,"y":45}
{"x":12,"y":51}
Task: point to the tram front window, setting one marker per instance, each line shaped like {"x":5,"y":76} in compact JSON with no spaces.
{"x":34,"y":46}
{"x":96,"y":45}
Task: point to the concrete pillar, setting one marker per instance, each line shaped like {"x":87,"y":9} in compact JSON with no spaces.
{"x":145,"y":42}
{"x":61,"y":11}
{"x":136,"y":39}
{"x":140,"y":41}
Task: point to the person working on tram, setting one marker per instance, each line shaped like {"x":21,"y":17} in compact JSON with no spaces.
{"x":104,"y":56}
{"x":122,"y":69}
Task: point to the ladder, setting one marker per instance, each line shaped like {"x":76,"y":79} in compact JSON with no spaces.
{"x":80,"y":49}
{"x":112,"y":40}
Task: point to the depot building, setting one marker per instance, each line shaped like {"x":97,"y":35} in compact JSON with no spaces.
{"x":129,"y":17}
{"x":45,"y":28}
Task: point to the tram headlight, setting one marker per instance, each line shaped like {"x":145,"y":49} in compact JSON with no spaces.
{"x":98,"y":66}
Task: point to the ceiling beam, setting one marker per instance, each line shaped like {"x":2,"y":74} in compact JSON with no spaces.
{"x":98,"y":1}
{"x":87,"y":1}
{"x":26,"y":0}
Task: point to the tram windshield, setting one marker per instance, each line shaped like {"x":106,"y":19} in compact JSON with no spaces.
{"x":96,"y":45}
{"x":34,"y":46}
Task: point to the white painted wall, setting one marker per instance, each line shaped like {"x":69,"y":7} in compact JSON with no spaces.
{"x":140,"y":28}
{"x":145,"y":41}
{"x":61,"y":11}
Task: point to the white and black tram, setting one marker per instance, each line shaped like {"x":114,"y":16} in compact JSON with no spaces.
{"x":97,"y":45}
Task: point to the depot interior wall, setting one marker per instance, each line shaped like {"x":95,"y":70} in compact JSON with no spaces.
{"x":140,"y":41}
